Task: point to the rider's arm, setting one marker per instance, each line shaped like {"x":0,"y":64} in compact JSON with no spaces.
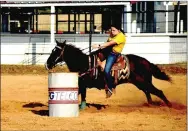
{"x":110,"y":43}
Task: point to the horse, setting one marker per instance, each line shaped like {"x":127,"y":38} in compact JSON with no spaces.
{"x":140,"y":71}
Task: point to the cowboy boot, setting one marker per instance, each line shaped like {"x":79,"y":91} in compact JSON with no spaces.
{"x":108,"y":94}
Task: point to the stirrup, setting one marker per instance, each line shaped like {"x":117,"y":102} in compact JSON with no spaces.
{"x":108,"y":94}
{"x":99,"y":62}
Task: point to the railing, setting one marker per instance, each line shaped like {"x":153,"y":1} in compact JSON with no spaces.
{"x":32,"y":56}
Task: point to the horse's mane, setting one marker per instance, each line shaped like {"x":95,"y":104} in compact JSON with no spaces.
{"x":78,"y":51}
{"x":74,"y":50}
{"x":95,"y":52}
{"x":104,"y":51}
{"x":76,"y":60}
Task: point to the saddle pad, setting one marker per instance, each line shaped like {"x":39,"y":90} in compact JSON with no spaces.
{"x":117,"y":66}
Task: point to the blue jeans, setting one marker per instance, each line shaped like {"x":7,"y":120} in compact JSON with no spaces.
{"x":112,"y":57}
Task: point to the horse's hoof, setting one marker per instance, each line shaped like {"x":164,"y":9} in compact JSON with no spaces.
{"x":82,"y":106}
{"x":169,"y":104}
{"x":150,"y":102}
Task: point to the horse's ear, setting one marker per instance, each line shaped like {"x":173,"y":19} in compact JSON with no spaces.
{"x":64,"y":42}
{"x":60,"y":43}
{"x":57,"y":42}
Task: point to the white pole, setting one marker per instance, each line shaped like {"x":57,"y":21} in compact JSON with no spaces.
{"x":133,"y":26}
{"x":181,"y":24}
{"x":129,"y":18}
{"x":52,"y":24}
{"x":178,"y":23}
{"x":166,"y":17}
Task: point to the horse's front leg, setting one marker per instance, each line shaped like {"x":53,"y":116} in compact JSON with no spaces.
{"x":83,"y":99}
{"x":82,"y":91}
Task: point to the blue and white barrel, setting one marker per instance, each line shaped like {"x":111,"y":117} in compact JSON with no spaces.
{"x":63,"y":94}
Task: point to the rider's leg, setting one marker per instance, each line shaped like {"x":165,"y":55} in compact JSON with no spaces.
{"x":109,"y":63}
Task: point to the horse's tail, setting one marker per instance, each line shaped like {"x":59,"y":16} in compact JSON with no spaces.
{"x":157,"y":73}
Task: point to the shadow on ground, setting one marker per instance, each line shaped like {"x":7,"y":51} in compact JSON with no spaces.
{"x":37,"y":111}
{"x":97,"y":106}
{"x":41,"y":112}
{"x":33,"y":105}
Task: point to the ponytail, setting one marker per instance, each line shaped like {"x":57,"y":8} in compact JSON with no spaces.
{"x":122,"y":30}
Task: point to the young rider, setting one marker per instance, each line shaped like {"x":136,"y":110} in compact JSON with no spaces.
{"x":117,"y":40}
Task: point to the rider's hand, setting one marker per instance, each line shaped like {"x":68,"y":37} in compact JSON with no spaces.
{"x":94,"y":46}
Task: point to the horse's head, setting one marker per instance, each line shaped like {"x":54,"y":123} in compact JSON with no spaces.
{"x":56,"y":55}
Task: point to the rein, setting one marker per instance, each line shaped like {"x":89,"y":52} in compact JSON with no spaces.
{"x":87,"y":72}
{"x":90,"y":69}
{"x":61,"y":52}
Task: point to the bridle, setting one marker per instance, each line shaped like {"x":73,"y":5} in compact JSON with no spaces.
{"x":61,"y":54}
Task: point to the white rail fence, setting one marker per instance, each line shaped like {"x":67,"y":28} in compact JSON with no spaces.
{"x":161,"y":49}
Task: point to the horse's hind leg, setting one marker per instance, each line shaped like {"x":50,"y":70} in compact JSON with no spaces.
{"x":142,"y":86}
{"x":148,"y":96}
{"x":148,"y":78}
{"x":160,"y":94}
{"x":139,"y":82}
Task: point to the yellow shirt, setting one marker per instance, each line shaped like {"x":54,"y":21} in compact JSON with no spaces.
{"x":120,"y":42}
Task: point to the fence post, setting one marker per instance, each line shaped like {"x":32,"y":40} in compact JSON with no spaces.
{"x":128,"y":18}
{"x":52,"y":24}
{"x":181,"y":26}
{"x":178,"y":18}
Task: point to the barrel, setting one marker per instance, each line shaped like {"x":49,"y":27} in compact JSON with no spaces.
{"x":63,"y":94}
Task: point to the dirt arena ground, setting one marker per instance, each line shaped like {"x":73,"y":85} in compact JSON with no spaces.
{"x":24,"y":106}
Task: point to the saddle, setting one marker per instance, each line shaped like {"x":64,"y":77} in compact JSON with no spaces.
{"x":118,"y":65}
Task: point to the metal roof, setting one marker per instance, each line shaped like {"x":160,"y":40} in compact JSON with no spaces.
{"x":64,"y":1}
{"x":61,"y":3}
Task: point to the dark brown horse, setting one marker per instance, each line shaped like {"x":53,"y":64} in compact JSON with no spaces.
{"x":140,"y":71}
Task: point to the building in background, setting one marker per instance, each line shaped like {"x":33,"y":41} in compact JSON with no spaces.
{"x":134,"y":17}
